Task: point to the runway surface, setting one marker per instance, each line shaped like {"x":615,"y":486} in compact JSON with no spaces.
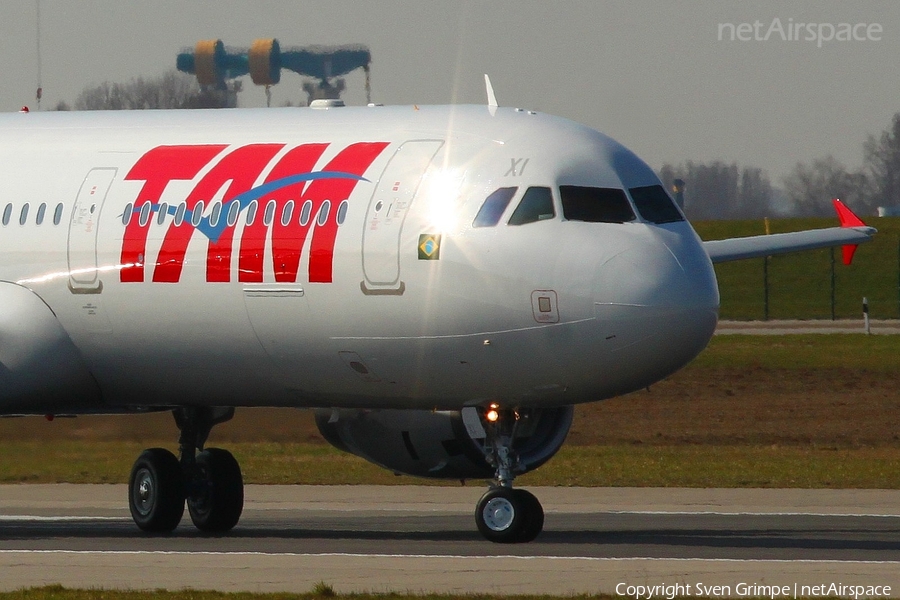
{"x":412,"y":538}
{"x":784,"y":327}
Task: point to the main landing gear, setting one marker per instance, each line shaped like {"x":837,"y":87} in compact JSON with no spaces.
{"x":506,"y":515}
{"x":209,"y":480}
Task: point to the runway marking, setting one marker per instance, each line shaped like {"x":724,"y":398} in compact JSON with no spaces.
{"x":18,"y":518}
{"x":679,"y":513}
{"x":445,"y":556}
{"x":741,"y":514}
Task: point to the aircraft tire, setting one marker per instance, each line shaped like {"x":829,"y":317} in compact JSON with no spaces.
{"x":501,"y":515}
{"x":534,"y":516}
{"x":156,"y":491}
{"x":217,"y":503}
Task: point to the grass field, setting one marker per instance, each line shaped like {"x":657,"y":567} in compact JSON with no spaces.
{"x":320,"y":592}
{"x":800,"y":284}
{"x":757,"y":411}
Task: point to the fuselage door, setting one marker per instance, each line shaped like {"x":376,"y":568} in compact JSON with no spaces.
{"x":82,"y":247}
{"x":387,"y":211}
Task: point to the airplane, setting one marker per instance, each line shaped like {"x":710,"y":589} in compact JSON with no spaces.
{"x":441,"y":284}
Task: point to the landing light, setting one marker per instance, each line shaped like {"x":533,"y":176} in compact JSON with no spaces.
{"x":492,"y":413}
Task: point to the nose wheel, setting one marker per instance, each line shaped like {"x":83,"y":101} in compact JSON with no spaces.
{"x":508,"y":516}
{"x":505,"y":515}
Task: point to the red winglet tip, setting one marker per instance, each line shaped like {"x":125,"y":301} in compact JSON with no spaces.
{"x":848,"y":252}
{"x":846,"y":216}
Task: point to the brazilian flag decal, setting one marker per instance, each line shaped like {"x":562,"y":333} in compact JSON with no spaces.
{"x":429,"y":246}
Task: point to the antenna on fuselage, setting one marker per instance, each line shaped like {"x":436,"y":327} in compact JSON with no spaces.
{"x":492,"y":99}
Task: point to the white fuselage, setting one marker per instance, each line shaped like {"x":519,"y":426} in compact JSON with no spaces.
{"x":370,"y":287}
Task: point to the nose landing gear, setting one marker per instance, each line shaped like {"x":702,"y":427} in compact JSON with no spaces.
{"x":506,"y":515}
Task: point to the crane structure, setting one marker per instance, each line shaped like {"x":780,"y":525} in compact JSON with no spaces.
{"x":218,"y":66}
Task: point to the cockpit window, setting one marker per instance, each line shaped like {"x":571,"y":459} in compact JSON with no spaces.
{"x":654,"y":204}
{"x":595,"y":205}
{"x":536,"y":205}
{"x":490,"y":212}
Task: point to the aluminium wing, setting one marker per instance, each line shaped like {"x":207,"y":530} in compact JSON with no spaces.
{"x":850,"y":234}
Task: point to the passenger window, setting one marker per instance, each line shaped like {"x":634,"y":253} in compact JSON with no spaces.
{"x":654,"y":204}
{"x":42,"y":210}
{"x":161,"y":213}
{"x":233,"y":209}
{"x":23,"y":216}
{"x":179,"y":214}
{"x":269,"y":214}
{"x":595,"y":205}
{"x":126,"y":216}
{"x":536,"y":205}
{"x":145,"y":214}
{"x":287,"y":212}
{"x":305,"y":213}
{"x":7,"y":213}
{"x":215,"y":214}
{"x":197,"y":214}
{"x":323,"y":213}
{"x":251,"y":212}
{"x":490,"y":212}
{"x":342,"y":212}
{"x":57,"y":214}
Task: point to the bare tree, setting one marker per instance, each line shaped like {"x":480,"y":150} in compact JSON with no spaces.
{"x":718,"y":190}
{"x":882,"y":164}
{"x":754,"y":195}
{"x":810,"y":188}
{"x":170,"y":90}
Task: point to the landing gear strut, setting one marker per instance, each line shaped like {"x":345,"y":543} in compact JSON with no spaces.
{"x":210,"y":480}
{"x":504,"y":514}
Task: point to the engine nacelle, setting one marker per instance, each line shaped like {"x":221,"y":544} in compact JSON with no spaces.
{"x":209,"y":62}
{"x":440,"y":445}
{"x":264,"y":61}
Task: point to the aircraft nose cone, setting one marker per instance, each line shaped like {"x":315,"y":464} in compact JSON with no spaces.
{"x":657,"y":300}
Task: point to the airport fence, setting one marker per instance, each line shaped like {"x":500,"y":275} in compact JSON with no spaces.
{"x":809,"y":285}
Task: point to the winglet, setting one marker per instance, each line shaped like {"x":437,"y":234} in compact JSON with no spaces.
{"x":492,"y":99}
{"x":847,"y":219}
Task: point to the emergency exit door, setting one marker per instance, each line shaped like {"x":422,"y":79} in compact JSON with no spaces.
{"x":82,"y":247}
{"x":388,"y":207}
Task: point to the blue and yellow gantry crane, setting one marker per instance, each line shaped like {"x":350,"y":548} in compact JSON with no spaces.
{"x":214,"y":65}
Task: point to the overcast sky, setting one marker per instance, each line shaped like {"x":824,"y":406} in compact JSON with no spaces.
{"x":654,"y":75}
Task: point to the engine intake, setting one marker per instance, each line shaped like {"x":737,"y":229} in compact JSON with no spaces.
{"x":440,"y":445}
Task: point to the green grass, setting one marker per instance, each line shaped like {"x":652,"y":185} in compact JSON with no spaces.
{"x":814,"y":377}
{"x":720,"y":466}
{"x":800,"y":284}
{"x":320,"y":591}
{"x":870,"y":353}
{"x":594,"y":466}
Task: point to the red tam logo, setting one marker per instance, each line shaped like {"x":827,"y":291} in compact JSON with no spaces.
{"x":291,"y":186}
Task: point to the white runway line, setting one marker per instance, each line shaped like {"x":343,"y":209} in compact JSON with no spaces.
{"x":682,"y":513}
{"x":58,"y":519}
{"x":480,"y":557}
